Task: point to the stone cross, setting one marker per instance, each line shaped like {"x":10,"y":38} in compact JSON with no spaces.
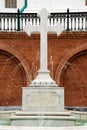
{"x":43,"y":78}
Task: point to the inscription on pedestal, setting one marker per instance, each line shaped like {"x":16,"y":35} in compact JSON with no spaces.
{"x":42,"y":100}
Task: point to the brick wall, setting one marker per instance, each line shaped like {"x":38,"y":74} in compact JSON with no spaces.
{"x":67,"y":60}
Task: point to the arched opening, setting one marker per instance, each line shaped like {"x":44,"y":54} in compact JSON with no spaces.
{"x":12,"y":79}
{"x":74,"y":79}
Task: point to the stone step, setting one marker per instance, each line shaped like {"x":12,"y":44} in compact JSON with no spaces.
{"x":43,"y":121}
{"x":26,"y":113}
{"x":24,"y":118}
{"x":43,"y":117}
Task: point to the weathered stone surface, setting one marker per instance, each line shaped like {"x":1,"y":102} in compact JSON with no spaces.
{"x":43,"y":120}
{"x":43,"y":99}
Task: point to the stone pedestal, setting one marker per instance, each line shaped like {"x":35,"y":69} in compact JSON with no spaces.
{"x":43,"y":99}
{"x":43,"y":106}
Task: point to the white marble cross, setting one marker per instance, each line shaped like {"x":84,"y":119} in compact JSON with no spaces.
{"x":43,"y":78}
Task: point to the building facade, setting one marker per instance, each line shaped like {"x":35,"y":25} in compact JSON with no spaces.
{"x":35,"y":6}
{"x":20,"y":54}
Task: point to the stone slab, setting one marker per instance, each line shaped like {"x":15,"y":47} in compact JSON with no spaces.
{"x":26,"y":113}
{"x":43,"y":99}
{"x":43,"y":121}
{"x":80,"y":115}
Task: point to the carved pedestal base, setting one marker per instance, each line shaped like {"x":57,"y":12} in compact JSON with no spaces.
{"x":43,"y":79}
{"x":43,"y":99}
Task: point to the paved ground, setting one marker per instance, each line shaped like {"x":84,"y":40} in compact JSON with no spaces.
{"x":42,"y":128}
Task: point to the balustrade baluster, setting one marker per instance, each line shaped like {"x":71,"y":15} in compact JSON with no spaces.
{"x":82,"y":23}
{"x":64,"y":22}
{"x":35,"y":21}
{"x":11,"y":24}
{"x":4,"y":24}
{"x":7,"y":24}
{"x":78,"y":23}
{"x":25,"y":21}
{"x":57,"y":19}
{"x":28,"y":19}
{"x":50,"y":20}
{"x":74,"y":23}
{"x":14,"y":24}
{"x":21,"y":23}
{"x":71,"y":24}
{"x":85,"y":23}
{"x":53,"y":21}
{"x":32,"y":21}
{"x":0,"y":25}
{"x":60,"y":20}
{"x":39,"y":21}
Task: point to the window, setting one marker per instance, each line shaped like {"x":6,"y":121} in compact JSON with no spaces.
{"x":10,"y":3}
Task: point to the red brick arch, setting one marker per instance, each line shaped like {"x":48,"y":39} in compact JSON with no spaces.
{"x":13,"y":76}
{"x":13,"y":52}
{"x":66,"y":58}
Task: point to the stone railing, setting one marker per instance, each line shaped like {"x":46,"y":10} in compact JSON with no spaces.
{"x":72,"y":21}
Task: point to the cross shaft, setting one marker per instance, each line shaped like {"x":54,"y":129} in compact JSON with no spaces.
{"x":43,"y":78}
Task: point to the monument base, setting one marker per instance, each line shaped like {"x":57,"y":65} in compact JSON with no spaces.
{"x":48,"y":119}
{"x":43,"y":106}
{"x":43,"y":99}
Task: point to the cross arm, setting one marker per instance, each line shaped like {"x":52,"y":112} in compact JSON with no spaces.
{"x":29,"y":29}
{"x":58,"y":29}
